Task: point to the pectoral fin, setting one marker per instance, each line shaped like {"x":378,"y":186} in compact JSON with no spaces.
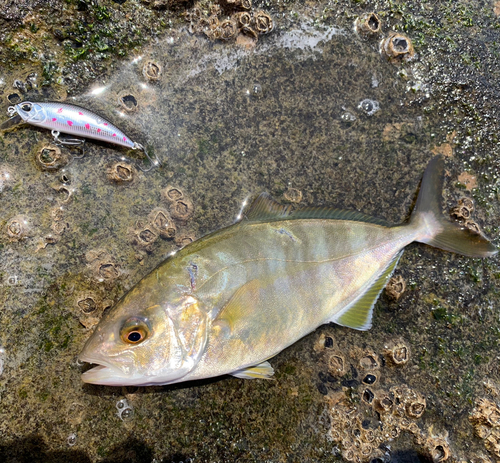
{"x":359,"y":314}
{"x":240,"y":305}
{"x":263,"y":370}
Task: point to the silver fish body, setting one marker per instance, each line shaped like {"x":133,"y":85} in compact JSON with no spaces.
{"x":72,"y":120}
{"x":230,"y":301}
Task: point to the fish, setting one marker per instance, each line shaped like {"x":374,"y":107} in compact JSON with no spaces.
{"x":73,"y":120}
{"x":230,"y":301}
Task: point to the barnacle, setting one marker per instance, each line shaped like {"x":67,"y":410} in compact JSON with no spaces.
{"x":103,"y":266}
{"x":383,"y":403}
{"x":263,"y":22}
{"x":397,"y":47}
{"x":369,"y":361}
{"x":172,"y":194}
{"x":461,"y":212}
{"x":108,"y":271}
{"x":128,"y":102}
{"x":492,"y":442}
{"x":395,"y":287}
{"x":368,"y":24}
{"x":228,"y":29}
{"x":243,"y":18}
{"x":57,"y":213}
{"x":368,"y":396}
{"x":58,"y":227}
{"x":397,"y":352}
{"x":245,"y":4}
{"x":215,"y":9}
{"x":50,"y":157}
{"x":293,"y":195}
{"x":90,"y":308}
{"x":184,"y":240}
{"x":120,"y":172}
{"x":336,"y":365}
{"x":473,"y":226}
{"x":181,"y":210}
{"x":415,"y":407}
{"x":485,"y":418}
{"x":18,"y":228}
{"x":65,"y":177}
{"x":63,"y":193}
{"x":370,"y":379}
{"x":152,"y":70}
{"x":162,"y":223}
{"x":438,"y":449}
{"x":87,"y":304}
{"x":146,"y":237}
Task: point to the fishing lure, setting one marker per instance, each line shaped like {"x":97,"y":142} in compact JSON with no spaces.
{"x":73,"y":120}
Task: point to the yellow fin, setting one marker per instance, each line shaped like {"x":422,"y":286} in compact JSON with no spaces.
{"x":263,"y":370}
{"x":359,"y":314}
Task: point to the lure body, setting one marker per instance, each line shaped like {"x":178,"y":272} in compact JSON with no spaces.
{"x":72,"y":120}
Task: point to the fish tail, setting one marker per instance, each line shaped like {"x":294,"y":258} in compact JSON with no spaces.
{"x":434,"y":229}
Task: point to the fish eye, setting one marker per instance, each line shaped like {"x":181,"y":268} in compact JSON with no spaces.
{"x":134,"y":331}
{"x":135,"y":336}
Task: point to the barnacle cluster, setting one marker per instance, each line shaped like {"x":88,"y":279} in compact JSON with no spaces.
{"x":59,"y":225}
{"x":228,"y":18}
{"x":180,"y":207}
{"x":163,"y":222}
{"x":367,"y":415}
{"x":463,"y":213}
{"x":485,"y":418}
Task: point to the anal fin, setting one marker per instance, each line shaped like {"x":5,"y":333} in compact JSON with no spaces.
{"x":263,"y":370}
{"x":359,"y":314}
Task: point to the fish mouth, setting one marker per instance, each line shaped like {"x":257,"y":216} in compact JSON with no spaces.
{"x":103,"y":374}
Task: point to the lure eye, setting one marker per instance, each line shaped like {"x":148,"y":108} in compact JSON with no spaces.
{"x":26,"y":107}
{"x":134,"y":331}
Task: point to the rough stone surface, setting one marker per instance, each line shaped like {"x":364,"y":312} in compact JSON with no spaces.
{"x":229,"y":120}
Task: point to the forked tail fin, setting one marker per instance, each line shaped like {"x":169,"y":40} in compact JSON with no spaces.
{"x":437,"y":231}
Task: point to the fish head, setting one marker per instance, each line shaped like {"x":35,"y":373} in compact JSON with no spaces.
{"x":33,"y":113}
{"x":159,"y":344}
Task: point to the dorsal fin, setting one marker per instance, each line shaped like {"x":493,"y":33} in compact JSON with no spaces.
{"x":266,"y":208}
{"x":338,"y":214}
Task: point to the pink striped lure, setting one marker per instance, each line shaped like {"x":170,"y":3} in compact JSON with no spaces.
{"x":76,"y":121}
